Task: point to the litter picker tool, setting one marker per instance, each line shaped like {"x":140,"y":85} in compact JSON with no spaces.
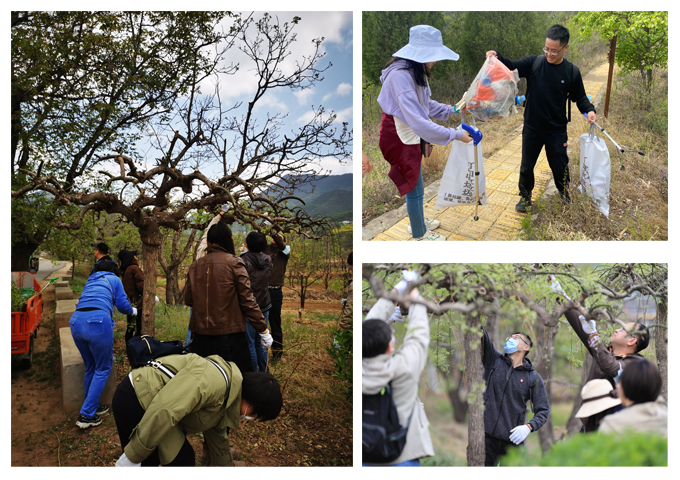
{"x":620,"y":148}
{"x":476,"y":138}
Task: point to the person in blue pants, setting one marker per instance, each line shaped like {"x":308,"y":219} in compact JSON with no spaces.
{"x":92,"y":330}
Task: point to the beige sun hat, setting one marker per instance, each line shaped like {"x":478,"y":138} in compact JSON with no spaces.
{"x":598,"y":395}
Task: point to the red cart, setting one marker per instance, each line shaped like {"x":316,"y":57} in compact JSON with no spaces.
{"x":25,"y":324}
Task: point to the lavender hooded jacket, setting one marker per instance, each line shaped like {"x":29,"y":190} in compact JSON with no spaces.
{"x":401,"y":98}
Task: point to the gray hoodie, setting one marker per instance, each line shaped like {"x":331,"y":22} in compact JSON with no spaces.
{"x":403,"y":368}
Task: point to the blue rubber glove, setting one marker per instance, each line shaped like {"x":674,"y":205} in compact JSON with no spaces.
{"x":519,"y":434}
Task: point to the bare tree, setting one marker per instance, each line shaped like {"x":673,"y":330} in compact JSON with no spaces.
{"x":201,"y":133}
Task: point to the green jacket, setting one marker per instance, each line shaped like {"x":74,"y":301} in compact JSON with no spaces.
{"x":194,"y":401}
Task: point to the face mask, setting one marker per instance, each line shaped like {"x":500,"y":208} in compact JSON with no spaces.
{"x":245,"y":417}
{"x":511,"y":345}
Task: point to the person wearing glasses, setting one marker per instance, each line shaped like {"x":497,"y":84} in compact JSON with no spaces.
{"x":551,"y":79}
{"x":610,"y":360}
{"x":511,"y":381}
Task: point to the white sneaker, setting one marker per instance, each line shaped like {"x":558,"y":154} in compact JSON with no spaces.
{"x":429,"y":224}
{"x":430,"y":235}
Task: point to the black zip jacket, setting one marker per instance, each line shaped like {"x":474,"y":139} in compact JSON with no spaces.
{"x":507,"y":392}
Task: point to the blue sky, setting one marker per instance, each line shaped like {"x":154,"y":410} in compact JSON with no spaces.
{"x":334,"y":92}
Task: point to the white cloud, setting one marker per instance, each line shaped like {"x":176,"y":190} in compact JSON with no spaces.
{"x":344,"y":89}
{"x":341,"y":116}
{"x":303,"y":96}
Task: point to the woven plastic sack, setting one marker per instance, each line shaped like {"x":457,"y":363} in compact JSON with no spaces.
{"x":458,"y":181}
{"x":595,"y":170}
{"x":492,"y":92}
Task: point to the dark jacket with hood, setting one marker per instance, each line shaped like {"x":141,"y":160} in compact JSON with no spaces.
{"x":259,"y":267}
{"x":133,"y":282}
{"x":507,"y":391}
{"x":106,"y":264}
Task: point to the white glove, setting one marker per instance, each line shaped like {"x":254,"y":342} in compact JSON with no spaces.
{"x":134,"y":312}
{"x":157,"y":300}
{"x":408,"y":276}
{"x":123,"y":461}
{"x":519,"y":434}
{"x":556,"y":287}
{"x":225,"y":207}
{"x":396,"y":316}
{"x":589,"y":328}
{"x":267,"y":339}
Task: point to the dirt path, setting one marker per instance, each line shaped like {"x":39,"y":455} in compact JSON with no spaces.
{"x":43,"y":435}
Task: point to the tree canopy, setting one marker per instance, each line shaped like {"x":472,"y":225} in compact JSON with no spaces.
{"x":641,"y":38}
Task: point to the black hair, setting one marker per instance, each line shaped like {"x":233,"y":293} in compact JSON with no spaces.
{"x":419,"y":70}
{"x":641,"y":381}
{"x":642,"y":336}
{"x":531,"y":344}
{"x":256,"y":242}
{"x":558,"y":32}
{"x":375,"y":338}
{"x":597,"y":418}
{"x":262,"y":391}
{"x":220,"y":234}
{"x":102,"y":248}
{"x":349,"y":258}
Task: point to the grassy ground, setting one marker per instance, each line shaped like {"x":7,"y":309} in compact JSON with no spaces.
{"x":314,"y":427}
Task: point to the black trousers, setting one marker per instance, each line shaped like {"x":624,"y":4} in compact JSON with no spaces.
{"x":232,"y":347}
{"x":556,"y":151}
{"x":495,"y":449}
{"x":127,"y":412}
{"x":276,"y":295}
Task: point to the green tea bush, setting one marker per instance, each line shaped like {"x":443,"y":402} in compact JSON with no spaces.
{"x":598,"y":450}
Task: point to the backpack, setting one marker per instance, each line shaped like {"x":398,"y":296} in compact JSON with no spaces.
{"x":382,"y":437}
{"x":534,"y":69}
{"x":144,"y":350}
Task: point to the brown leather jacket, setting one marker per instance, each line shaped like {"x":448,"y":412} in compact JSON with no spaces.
{"x":133,"y":282}
{"x":218,"y":289}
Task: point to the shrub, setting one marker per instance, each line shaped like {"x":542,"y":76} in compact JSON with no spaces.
{"x":598,"y":450}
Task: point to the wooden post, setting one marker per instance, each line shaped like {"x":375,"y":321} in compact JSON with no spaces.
{"x":612,"y":54}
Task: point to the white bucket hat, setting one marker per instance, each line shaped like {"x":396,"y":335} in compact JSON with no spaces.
{"x":598,"y":395}
{"x":425,"y":45}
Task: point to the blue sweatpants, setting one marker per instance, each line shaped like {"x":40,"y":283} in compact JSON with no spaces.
{"x":93,"y":335}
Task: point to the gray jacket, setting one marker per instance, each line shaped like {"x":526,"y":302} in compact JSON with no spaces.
{"x":403,"y":368}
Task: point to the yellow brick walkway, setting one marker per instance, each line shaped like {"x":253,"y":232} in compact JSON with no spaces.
{"x":498,"y":220}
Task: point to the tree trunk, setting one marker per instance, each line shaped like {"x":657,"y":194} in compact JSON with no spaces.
{"x":460,"y":406}
{"x":21,"y":254}
{"x":660,"y":339}
{"x":574,"y":424}
{"x":475,"y":386}
{"x":151,"y":242}
{"x":545,"y":349}
{"x":173,"y":295}
{"x":303,"y":291}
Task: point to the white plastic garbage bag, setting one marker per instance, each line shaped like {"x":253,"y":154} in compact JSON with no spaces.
{"x":492,"y":92}
{"x":595,"y":170}
{"x":458,"y":182}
